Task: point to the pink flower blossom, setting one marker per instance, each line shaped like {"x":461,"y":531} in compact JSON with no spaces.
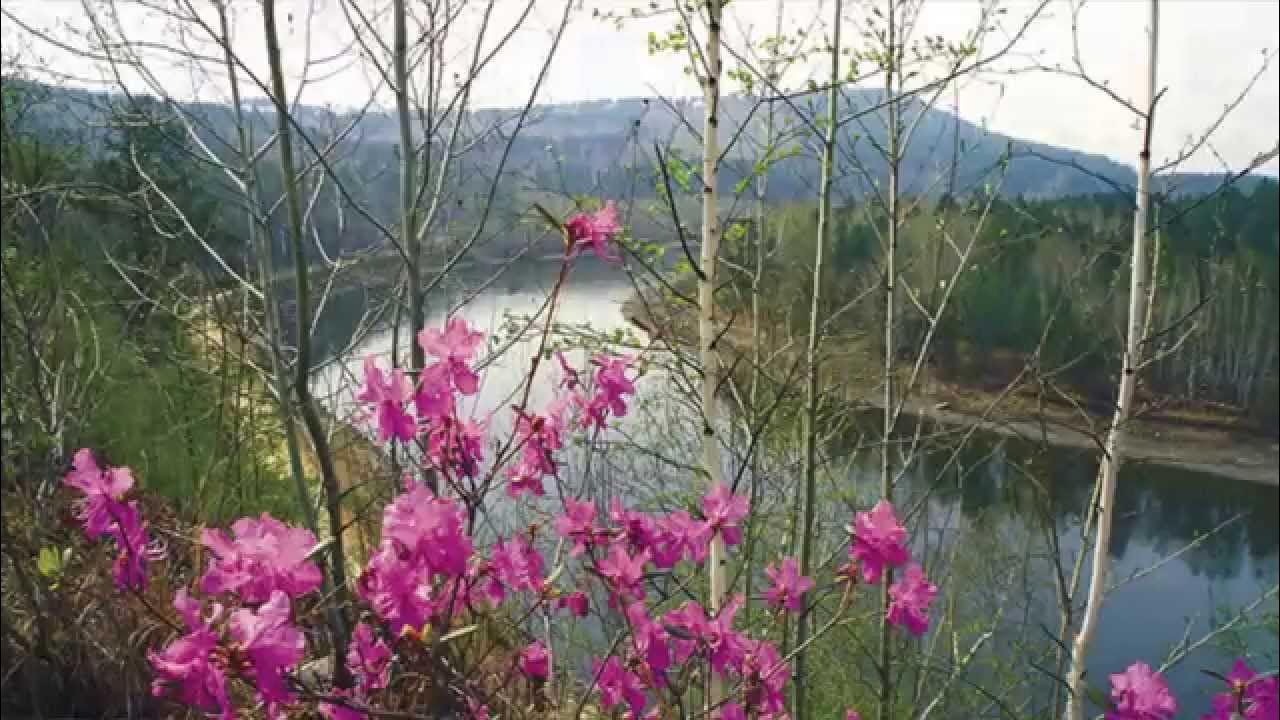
{"x":910,"y":596}
{"x":623,"y":571}
{"x":517,"y":565}
{"x":788,"y":585}
{"x":455,"y":347}
{"x":618,"y":685}
{"x":187,"y":664}
{"x":103,"y":490}
{"x":388,"y":396}
{"x":539,"y":437}
{"x":456,"y":446}
{"x":732,"y":711}
{"x":576,"y":602}
{"x":433,"y":399}
{"x":594,"y":230}
{"x":723,"y":646}
{"x":648,"y":640}
{"x":1140,"y":693}
{"x":397,"y":587}
{"x":638,"y":530}
{"x":369,"y":659}
{"x":681,"y":537}
{"x":135,"y":549}
{"x":430,"y":528}
{"x":535,"y":661}
{"x":612,"y":383}
{"x":852,"y":715}
{"x":723,"y":510}
{"x":272,"y":645}
{"x":1247,"y":696}
{"x":578,"y":524}
{"x":878,"y":541}
{"x":265,"y":556}
{"x":765,"y":676}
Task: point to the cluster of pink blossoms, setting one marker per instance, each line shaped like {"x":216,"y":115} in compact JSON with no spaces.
{"x":880,"y":542}
{"x":103,"y":511}
{"x":266,"y":566}
{"x":1247,"y":696}
{"x":1141,"y":693}
{"x":426,"y":573}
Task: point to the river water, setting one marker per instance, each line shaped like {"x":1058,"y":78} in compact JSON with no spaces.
{"x":1006,"y":500}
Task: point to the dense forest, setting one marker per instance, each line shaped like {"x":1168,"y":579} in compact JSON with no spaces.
{"x":1040,"y":286}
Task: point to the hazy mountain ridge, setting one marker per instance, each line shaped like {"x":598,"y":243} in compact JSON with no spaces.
{"x":605,"y":147}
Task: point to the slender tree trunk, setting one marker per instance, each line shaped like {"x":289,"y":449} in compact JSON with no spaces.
{"x":709,"y":262}
{"x":408,"y":200}
{"x":302,"y":377}
{"x":261,"y":248}
{"x":1113,"y":456}
{"x":890,"y":272}
{"x":811,"y":356}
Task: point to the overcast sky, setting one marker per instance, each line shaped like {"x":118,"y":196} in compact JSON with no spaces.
{"x":1210,"y":49}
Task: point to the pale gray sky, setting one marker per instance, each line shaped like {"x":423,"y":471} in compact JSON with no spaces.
{"x":1209,"y":51}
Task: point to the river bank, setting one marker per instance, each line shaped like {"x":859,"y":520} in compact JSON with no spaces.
{"x":1197,"y":440}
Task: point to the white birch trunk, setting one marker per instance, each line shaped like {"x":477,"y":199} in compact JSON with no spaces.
{"x":707,"y":332}
{"x":1113,"y":456}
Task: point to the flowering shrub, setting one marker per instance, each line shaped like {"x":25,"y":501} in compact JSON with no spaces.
{"x":428,"y":584}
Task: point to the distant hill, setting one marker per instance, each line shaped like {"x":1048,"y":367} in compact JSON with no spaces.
{"x":605,"y":147}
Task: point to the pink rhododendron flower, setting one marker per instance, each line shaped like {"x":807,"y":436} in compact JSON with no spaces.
{"x":187,"y":664}
{"x":388,"y":396}
{"x":648,"y":639}
{"x":594,"y":230}
{"x":723,"y":510}
{"x":682,"y":537}
{"x":636,"y":529}
{"x":910,"y":596}
{"x":369,"y":658}
{"x":456,"y":446}
{"x":430,"y":528}
{"x":273,"y":647}
{"x":612,"y":383}
{"x":618,"y":685}
{"x":715,"y":636}
{"x":852,"y":715}
{"x":788,"y":585}
{"x":455,"y":347}
{"x":1247,"y":696}
{"x":517,"y":565}
{"x":732,"y":711}
{"x":535,"y":661}
{"x":623,"y":571}
{"x":397,"y":586}
{"x":265,"y":556}
{"x":765,"y":676}
{"x":135,"y":549}
{"x":433,"y":399}
{"x":103,"y":490}
{"x":539,"y":437}
{"x":878,"y":541}
{"x":1140,"y":693}
{"x":576,"y":602}
{"x":578,"y":524}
